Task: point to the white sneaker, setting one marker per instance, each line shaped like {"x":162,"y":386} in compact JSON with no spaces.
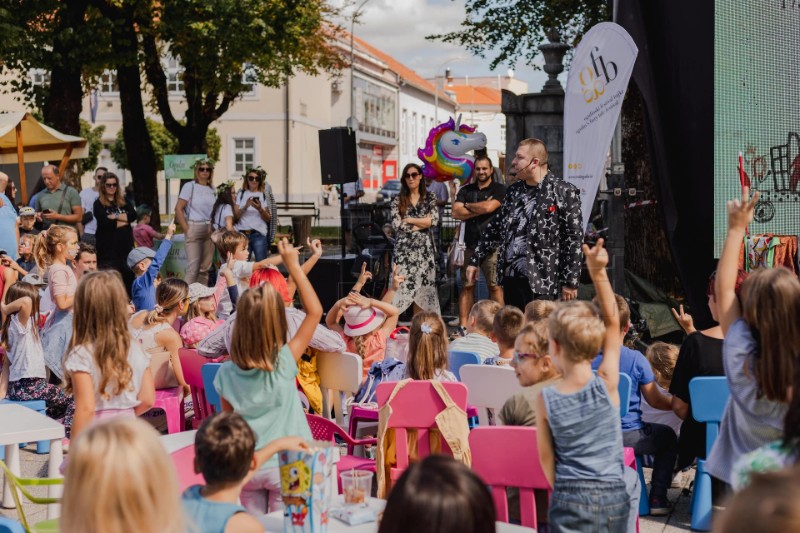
{"x":455,"y":322}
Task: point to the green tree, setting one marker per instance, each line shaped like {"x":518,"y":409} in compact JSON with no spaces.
{"x":95,"y":138}
{"x":225,"y":46}
{"x":164,"y":143}
{"x":510,"y":30}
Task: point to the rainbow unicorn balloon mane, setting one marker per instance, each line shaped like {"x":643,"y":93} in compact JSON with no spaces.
{"x":445,"y":154}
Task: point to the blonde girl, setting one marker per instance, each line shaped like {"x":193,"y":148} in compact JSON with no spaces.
{"x":107,"y":373}
{"x":762,"y":342}
{"x":201,"y":318}
{"x":662,"y":357}
{"x":28,"y":375}
{"x":259,"y":380}
{"x":155,"y":334}
{"x":427,"y":351}
{"x":51,"y":251}
{"x":119,"y":478}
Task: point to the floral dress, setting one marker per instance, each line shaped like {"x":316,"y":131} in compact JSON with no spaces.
{"x":415,"y":256}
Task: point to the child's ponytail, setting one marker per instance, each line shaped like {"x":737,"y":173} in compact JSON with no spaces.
{"x":170,"y":294}
{"x":45,"y":246}
{"x":427,"y":346}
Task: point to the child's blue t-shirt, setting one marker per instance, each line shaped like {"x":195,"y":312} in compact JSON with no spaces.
{"x":143,"y":290}
{"x":636,"y":365}
{"x":207,"y":516}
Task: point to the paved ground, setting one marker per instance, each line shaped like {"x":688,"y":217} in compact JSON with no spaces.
{"x":34,"y":465}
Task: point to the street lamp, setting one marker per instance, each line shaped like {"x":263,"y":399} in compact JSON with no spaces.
{"x":352,"y":123}
{"x":436,"y":84}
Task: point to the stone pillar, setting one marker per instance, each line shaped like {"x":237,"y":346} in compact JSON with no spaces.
{"x":539,"y":115}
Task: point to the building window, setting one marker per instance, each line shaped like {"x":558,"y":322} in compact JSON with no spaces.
{"x":404,"y":129}
{"x":244,"y":155}
{"x":375,"y":108}
{"x":414,"y":132}
{"x":39,"y":77}
{"x":174,"y":72}
{"x":249,"y":80}
{"x":108,"y":82}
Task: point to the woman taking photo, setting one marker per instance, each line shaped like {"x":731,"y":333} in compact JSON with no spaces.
{"x":413,"y":214}
{"x":114,"y":232}
{"x":193,"y":212}
{"x":255,"y":212}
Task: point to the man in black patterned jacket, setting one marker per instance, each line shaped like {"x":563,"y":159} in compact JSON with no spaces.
{"x":538,"y":232}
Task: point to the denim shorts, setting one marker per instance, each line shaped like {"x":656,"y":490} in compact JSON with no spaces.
{"x":589,"y":507}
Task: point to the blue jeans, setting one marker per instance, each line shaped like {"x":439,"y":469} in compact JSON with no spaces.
{"x":589,"y":506}
{"x":258,"y":245}
{"x":660,"y":441}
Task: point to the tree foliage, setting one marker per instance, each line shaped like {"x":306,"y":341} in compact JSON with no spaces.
{"x":164,"y":143}
{"x":95,"y":138}
{"x":226,"y":45}
{"x":509,"y":30}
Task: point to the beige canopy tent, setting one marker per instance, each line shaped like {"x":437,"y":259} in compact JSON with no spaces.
{"x":23,"y":138}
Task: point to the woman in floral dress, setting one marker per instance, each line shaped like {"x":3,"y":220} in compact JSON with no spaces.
{"x":414,"y":213}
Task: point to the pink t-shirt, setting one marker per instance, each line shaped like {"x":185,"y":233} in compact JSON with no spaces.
{"x":61,"y":281}
{"x":143,"y":235}
{"x":375,"y":350}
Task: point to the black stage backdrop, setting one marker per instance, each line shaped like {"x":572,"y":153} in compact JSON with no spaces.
{"x":675,"y":75}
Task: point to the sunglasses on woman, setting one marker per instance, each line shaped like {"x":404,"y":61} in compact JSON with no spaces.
{"x":111,"y":185}
{"x":205,"y":169}
{"x":253,"y":178}
{"x":414,"y":175}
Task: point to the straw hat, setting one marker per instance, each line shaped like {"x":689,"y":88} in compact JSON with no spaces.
{"x":360,"y":321}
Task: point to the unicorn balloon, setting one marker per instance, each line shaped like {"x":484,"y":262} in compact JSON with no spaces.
{"x":445,"y":153}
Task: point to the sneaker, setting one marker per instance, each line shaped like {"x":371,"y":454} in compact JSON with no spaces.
{"x":462,"y":331}
{"x":659,"y":506}
{"x":454,"y":323}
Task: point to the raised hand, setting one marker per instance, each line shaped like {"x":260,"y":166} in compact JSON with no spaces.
{"x":740,"y":212}
{"x":684,"y":319}
{"x":596,"y":256}
{"x":315,"y":246}
{"x":397,"y":278}
{"x":289,"y":254}
{"x":171,"y":230}
{"x":365,"y":275}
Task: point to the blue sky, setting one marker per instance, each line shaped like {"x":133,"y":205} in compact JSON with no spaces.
{"x":399,"y":27}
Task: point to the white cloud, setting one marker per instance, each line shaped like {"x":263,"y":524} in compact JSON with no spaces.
{"x":399,"y":27}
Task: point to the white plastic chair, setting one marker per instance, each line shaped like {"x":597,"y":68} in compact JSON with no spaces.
{"x":339,"y":373}
{"x":489,"y":387}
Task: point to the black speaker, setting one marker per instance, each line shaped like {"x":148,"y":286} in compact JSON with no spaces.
{"x":326,"y":280}
{"x":337,"y":156}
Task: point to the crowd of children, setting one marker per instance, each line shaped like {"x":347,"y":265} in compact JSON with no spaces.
{"x":112,"y":354}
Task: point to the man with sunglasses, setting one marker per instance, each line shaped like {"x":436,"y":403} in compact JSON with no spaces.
{"x":58,"y":203}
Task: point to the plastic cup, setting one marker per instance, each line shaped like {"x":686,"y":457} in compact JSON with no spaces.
{"x":356,"y":486}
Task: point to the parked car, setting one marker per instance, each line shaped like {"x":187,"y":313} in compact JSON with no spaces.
{"x":389,"y":190}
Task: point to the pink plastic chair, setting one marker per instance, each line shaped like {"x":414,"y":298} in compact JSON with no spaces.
{"x":516,"y":466}
{"x":171,"y":401}
{"x":415,"y":408}
{"x":191,"y":363}
{"x":326,"y":430}
{"x":183,"y":460}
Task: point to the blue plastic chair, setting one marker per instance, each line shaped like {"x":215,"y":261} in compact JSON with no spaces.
{"x":10,"y":526}
{"x":209,"y":372}
{"x":624,"y":388}
{"x":40,"y":406}
{"x":709,"y":395}
{"x":458,"y":359}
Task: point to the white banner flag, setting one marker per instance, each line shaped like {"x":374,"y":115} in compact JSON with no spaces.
{"x":596,"y":85}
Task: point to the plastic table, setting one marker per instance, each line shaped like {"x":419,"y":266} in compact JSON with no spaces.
{"x":20,"y":424}
{"x":177,"y":441}
{"x":273,"y":522}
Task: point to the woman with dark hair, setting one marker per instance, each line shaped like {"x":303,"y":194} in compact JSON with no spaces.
{"x":413,"y":214}
{"x":255,"y":212}
{"x":193,"y":213}
{"x":222,"y":215}
{"x":439,"y":494}
{"x":114,"y":232}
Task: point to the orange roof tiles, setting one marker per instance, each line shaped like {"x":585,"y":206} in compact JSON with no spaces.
{"x":470,"y":94}
{"x":408,"y":75}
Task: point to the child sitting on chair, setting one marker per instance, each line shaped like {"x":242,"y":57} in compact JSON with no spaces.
{"x":479,"y":331}
{"x":506,"y":326}
{"x":226,"y":456}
